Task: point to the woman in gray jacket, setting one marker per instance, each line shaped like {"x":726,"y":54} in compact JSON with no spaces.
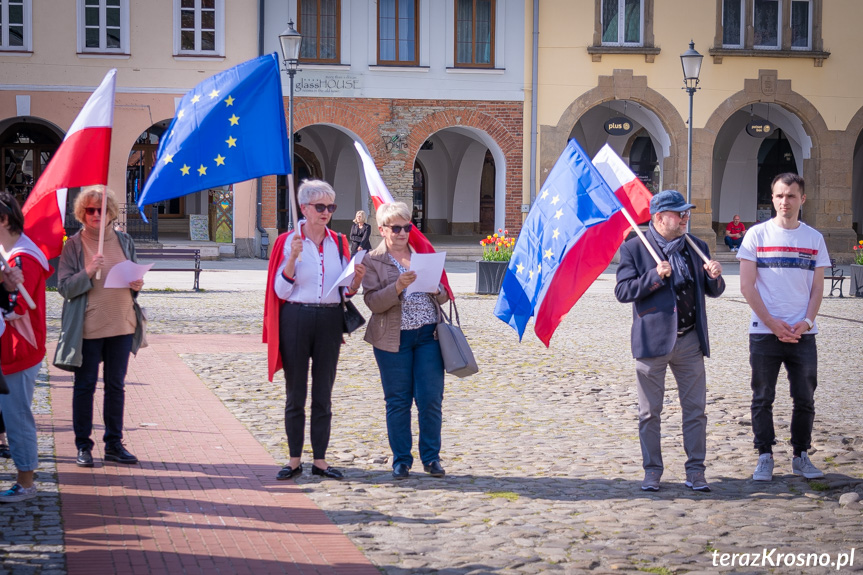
{"x":99,"y":325}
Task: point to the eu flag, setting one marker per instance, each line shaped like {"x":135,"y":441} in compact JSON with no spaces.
{"x":574,"y":198}
{"x":229,"y":128}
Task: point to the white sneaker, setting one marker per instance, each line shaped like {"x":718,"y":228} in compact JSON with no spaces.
{"x":764,"y":469}
{"x":17,"y":493}
{"x":803,"y":466}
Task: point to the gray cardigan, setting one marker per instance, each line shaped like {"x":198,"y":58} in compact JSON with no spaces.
{"x":73,"y":283}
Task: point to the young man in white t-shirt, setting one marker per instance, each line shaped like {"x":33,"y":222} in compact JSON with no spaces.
{"x":782,"y":265}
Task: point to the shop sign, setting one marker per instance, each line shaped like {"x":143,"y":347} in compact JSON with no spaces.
{"x":619,"y":126}
{"x":329,"y":84}
{"x":759,"y":128}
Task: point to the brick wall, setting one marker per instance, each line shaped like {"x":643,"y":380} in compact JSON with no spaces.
{"x":377,"y":121}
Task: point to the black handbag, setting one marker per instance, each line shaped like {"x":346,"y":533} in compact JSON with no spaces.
{"x":353,"y":319}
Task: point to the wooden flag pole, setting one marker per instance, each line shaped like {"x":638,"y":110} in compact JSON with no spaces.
{"x":292,"y":198}
{"x":641,"y":236}
{"x":21,"y":289}
{"x":700,"y":253}
{"x":102,"y":228}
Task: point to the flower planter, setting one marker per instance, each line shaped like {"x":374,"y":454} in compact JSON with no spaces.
{"x":489,"y":276}
{"x":857,"y":280}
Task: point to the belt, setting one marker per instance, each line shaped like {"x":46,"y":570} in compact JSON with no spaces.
{"x":684,"y":331}
{"x":314,"y":304}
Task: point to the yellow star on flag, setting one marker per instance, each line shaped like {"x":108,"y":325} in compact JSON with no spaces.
{"x":202,"y":171}
{"x":544,"y":195}
{"x":520,"y":268}
{"x":556,"y":233}
{"x":530,"y":274}
{"x":548,"y":253}
{"x":180,"y":114}
{"x":558,"y":214}
{"x":220,"y":160}
{"x":555,"y":199}
{"x":168,"y":158}
{"x":185,"y":169}
{"x":232,"y":142}
{"x":230,"y":101}
{"x":213,"y":94}
{"x":196,"y":99}
{"x":234,"y":120}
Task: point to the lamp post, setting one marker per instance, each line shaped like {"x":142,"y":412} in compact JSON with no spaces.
{"x":691,"y":61}
{"x":290,"y":41}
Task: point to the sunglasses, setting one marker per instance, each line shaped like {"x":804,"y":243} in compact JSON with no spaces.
{"x":684,"y":214}
{"x":321,"y":207}
{"x":93,"y":211}
{"x":398,"y":229}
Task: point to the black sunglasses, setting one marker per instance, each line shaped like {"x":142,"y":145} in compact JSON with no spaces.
{"x":398,"y":229}
{"x":321,"y":207}
{"x":93,"y":211}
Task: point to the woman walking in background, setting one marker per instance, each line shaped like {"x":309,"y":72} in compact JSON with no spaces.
{"x":99,"y":325}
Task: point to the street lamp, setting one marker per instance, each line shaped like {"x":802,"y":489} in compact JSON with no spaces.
{"x":290,"y":41}
{"x":691,"y":61}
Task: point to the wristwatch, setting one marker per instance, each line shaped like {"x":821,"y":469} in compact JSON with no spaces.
{"x":809,"y":322}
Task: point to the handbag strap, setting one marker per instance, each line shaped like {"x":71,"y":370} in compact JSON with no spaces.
{"x":448,"y":318}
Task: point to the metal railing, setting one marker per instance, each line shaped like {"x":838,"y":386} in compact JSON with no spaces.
{"x":131,"y":222}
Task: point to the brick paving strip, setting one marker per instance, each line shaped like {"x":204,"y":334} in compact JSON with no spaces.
{"x":204,"y":497}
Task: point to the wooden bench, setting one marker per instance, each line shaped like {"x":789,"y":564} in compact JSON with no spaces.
{"x":186,"y":254}
{"x":835,"y":278}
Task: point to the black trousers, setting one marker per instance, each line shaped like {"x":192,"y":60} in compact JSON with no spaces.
{"x":308,"y":333}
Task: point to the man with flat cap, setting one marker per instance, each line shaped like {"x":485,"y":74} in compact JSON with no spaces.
{"x":669,"y":329}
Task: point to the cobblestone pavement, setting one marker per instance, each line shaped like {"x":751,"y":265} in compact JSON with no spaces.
{"x":541,"y":447}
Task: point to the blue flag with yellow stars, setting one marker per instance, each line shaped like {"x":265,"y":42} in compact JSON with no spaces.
{"x":229,"y":128}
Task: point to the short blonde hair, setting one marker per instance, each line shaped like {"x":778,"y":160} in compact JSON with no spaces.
{"x":89,"y":194}
{"x":361,"y":215}
{"x":394,"y":210}
{"x":311,"y":190}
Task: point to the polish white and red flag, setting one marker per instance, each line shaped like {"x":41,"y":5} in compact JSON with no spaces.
{"x":81,"y":160}
{"x":381,"y":195}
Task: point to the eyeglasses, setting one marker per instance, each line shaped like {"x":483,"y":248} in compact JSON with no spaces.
{"x":321,"y":207}
{"x":93,"y":211}
{"x":398,"y":229}
{"x":684,"y":214}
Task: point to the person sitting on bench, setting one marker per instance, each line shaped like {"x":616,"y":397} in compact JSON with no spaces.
{"x":734,"y":233}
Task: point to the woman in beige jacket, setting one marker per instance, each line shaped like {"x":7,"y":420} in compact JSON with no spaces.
{"x":402,"y":331}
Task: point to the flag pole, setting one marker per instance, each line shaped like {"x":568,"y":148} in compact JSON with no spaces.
{"x":102,"y":228}
{"x":641,"y":235}
{"x":292,"y":197}
{"x":21,"y":289}
{"x":697,"y":249}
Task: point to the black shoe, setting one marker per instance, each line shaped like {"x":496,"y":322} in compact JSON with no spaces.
{"x":329,"y":472}
{"x":85,"y":458}
{"x":434,"y":469}
{"x":119,"y":454}
{"x":287,"y":473}
{"x":4,"y":451}
{"x":401,"y":471}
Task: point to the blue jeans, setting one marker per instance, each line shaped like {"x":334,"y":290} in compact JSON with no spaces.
{"x":114,"y":353}
{"x":413,"y":373}
{"x":766,"y":355}
{"x":20,"y":424}
{"x":733,"y":242}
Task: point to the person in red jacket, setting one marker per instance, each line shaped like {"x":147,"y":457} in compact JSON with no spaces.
{"x":22,"y":345}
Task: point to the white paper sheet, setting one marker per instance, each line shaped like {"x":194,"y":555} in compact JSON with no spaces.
{"x":429,"y":268}
{"x":123,"y":273}
{"x":347,"y":275}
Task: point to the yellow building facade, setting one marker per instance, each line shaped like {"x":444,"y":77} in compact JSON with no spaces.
{"x":778,"y":92}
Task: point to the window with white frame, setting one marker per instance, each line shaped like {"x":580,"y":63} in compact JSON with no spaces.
{"x":622,"y":22}
{"x":199,"y":27}
{"x":103,"y":26}
{"x":15,"y":25}
{"x":732,"y":23}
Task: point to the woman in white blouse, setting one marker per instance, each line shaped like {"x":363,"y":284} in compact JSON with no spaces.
{"x":310,"y":323}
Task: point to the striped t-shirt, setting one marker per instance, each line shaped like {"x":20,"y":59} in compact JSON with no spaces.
{"x":786,"y":261}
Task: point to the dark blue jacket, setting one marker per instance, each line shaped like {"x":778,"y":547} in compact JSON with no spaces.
{"x":654,"y":309}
